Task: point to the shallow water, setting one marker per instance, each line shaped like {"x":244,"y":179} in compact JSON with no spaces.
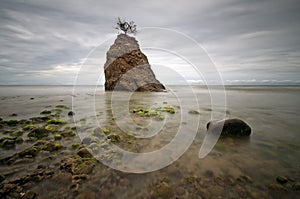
{"x":272,"y":149}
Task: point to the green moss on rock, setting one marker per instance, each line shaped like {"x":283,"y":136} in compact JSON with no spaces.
{"x":62,"y":106}
{"x":12,"y":122}
{"x":45,"y":112}
{"x":51,"y":146}
{"x":106,"y":131}
{"x":38,"y":133}
{"x":56,"y":121}
{"x":32,"y":151}
{"x":57,"y":136}
{"x":28,"y":127}
{"x":195,"y":112}
{"x":114,"y":137}
{"x":16,"y":133}
{"x":52,"y":127}
{"x":75,"y":145}
{"x":7,"y":142}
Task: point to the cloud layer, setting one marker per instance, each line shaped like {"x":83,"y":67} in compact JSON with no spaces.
{"x":250,"y":42}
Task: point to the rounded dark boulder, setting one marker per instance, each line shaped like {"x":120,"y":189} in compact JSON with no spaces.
{"x":230,"y":127}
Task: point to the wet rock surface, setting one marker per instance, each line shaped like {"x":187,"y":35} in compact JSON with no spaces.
{"x":128,"y":69}
{"x":230,"y":127}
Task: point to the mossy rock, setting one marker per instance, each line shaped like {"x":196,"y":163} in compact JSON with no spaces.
{"x":57,"y":110}
{"x":12,"y":122}
{"x":106,"y":131}
{"x":52,"y":127}
{"x":195,"y":112}
{"x":167,"y":109}
{"x":154,"y":113}
{"x":7,"y":142}
{"x":114,"y":137}
{"x":28,"y":127}
{"x":45,"y":112}
{"x":41,"y":119}
{"x":161,"y":189}
{"x":32,"y":151}
{"x":19,"y":140}
{"x":16,"y":133}
{"x":56,"y":122}
{"x":24,"y":121}
{"x":8,"y":131}
{"x":84,"y":153}
{"x":57,"y":136}
{"x":51,"y":146}
{"x":62,"y":106}
{"x":159,"y":117}
{"x":68,"y":133}
{"x":94,"y":147}
{"x":75,"y":145}
{"x":38,"y":133}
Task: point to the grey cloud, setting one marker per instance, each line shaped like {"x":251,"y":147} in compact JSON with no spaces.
{"x":246,"y":39}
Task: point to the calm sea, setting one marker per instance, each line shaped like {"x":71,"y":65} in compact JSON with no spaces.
{"x":271,"y":111}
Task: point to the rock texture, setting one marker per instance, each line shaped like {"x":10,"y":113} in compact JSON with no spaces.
{"x":128,"y":69}
{"x":231,"y":127}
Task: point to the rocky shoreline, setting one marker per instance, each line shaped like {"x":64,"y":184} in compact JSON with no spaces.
{"x":43,"y":157}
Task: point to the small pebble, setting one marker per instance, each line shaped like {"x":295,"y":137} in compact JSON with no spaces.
{"x":71,"y":113}
{"x":281,"y":179}
{"x":296,"y":186}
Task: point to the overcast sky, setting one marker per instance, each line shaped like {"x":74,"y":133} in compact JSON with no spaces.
{"x":250,"y":42}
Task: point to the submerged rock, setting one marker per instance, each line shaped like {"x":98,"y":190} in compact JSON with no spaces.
{"x":281,"y":179}
{"x":128,"y":69}
{"x":29,"y":195}
{"x":8,"y":142}
{"x":161,"y":189}
{"x":230,"y":127}
{"x":38,"y":133}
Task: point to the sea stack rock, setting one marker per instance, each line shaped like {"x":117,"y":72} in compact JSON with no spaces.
{"x":128,"y":69}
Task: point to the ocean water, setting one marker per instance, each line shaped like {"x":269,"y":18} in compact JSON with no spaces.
{"x":272,"y":149}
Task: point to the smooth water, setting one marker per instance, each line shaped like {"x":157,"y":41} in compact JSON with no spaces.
{"x":272,"y":149}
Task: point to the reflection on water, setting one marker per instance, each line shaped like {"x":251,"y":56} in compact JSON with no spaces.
{"x":235,"y":168}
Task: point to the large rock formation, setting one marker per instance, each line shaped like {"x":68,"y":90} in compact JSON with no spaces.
{"x":127,"y":68}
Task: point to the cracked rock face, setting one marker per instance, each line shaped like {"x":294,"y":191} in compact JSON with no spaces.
{"x":128,"y":69}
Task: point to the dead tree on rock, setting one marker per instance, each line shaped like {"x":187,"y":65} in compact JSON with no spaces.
{"x":125,"y":26}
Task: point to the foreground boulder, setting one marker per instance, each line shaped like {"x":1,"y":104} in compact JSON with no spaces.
{"x":128,"y":69}
{"x":231,"y":127}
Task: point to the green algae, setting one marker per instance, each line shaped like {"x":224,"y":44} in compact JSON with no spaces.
{"x":154,"y":113}
{"x":56,"y":121}
{"x":28,"y":127}
{"x":75,"y":145}
{"x":38,"y":133}
{"x":57,"y":136}
{"x":16,"y":133}
{"x":106,"y":131}
{"x":62,"y":106}
{"x":12,"y":122}
{"x":114,"y":137}
{"x":52,"y":127}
